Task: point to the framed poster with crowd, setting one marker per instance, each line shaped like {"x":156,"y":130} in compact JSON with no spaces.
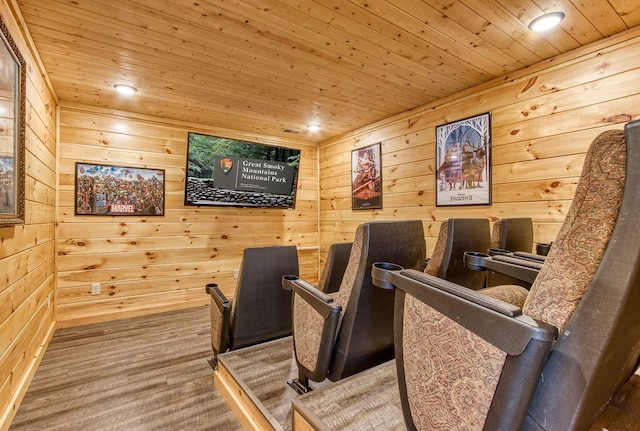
{"x":118,"y":190}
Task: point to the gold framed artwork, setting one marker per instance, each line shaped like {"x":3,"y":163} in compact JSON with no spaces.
{"x":12,"y":117}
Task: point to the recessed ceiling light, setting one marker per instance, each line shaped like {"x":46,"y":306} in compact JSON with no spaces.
{"x":125,"y":89}
{"x":546,"y":22}
{"x":313,"y":127}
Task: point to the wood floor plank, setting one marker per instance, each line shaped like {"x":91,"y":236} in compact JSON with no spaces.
{"x":264,"y":370}
{"x":144,"y":373}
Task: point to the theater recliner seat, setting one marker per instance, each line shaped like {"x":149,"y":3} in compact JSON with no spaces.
{"x":261,"y":309}
{"x":456,"y":236}
{"x":466,"y":360}
{"x":339,"y":335}
{"x":513,"y":234}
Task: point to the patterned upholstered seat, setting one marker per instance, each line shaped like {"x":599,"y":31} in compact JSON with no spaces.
{"x":456,"y":236}
{"x":469,"y":361}
{"x":352,"y":330}
{"x":261,"y":309}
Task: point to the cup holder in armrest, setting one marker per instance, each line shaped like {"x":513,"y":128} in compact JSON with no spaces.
{"x":380,"y":274}
{"x":286,"y":279}
{"x":543,"y":248}
{"x":210,"y":287}
{"x":475,"y":261}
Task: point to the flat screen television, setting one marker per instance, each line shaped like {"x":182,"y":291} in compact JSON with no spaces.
{"x":230,"y":172}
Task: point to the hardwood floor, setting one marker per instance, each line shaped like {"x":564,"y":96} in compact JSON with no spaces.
{"x":260,"y":373}
{"x":151,"y":373}
{"x":145,"y":373}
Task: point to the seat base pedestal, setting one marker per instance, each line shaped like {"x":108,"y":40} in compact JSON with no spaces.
{"x":299,"y":387}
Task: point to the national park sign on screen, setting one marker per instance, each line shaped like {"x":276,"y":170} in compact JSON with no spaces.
{"x":230,"y":172}
{"x":253,"y":175}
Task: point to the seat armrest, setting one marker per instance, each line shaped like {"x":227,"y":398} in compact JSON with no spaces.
{"x":520,"y":268}
{"x":320,"y":301}
{"x":530,"y":256}
{"x":220,"y":308}
{"x":313,"y":312}
{"x":524,"y":341}
{"x":479,"y":313}
{"x":217,"y":297}
{"x":512,"y":265}
{"x":516,"y":260}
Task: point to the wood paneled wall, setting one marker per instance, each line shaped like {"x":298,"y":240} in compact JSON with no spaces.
{"x":543,"y":120}
{"x":27,"y":256}
{"x":154,"y":264}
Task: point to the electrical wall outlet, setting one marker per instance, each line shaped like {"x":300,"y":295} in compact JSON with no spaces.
{"x":95,"y":288}
{"x":235,"y":273}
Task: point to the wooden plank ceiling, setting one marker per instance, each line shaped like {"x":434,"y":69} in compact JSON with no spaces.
{"x":263,"y":66}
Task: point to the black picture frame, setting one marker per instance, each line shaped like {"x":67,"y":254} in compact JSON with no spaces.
{"x":366,"y":178}
{"x":463,"y":160}
{"x":109,"y":190}
{"x":12,"y":142}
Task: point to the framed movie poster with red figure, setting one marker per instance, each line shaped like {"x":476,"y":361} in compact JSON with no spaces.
{"x":463,"y":158}
{"x":366,"y":178}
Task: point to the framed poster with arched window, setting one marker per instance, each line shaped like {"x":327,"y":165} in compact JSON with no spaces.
{"x":12,"y":114}
{"x":463,"y":158}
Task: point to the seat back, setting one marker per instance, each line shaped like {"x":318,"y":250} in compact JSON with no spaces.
{"x":334,"y":267}
{"x":365,"y":335}
{"x":456,"y":236}
{"x":261,"y":309}
{"x":513,"y":234}
{"x":459,"y":370}
{"x":589,"y":287}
